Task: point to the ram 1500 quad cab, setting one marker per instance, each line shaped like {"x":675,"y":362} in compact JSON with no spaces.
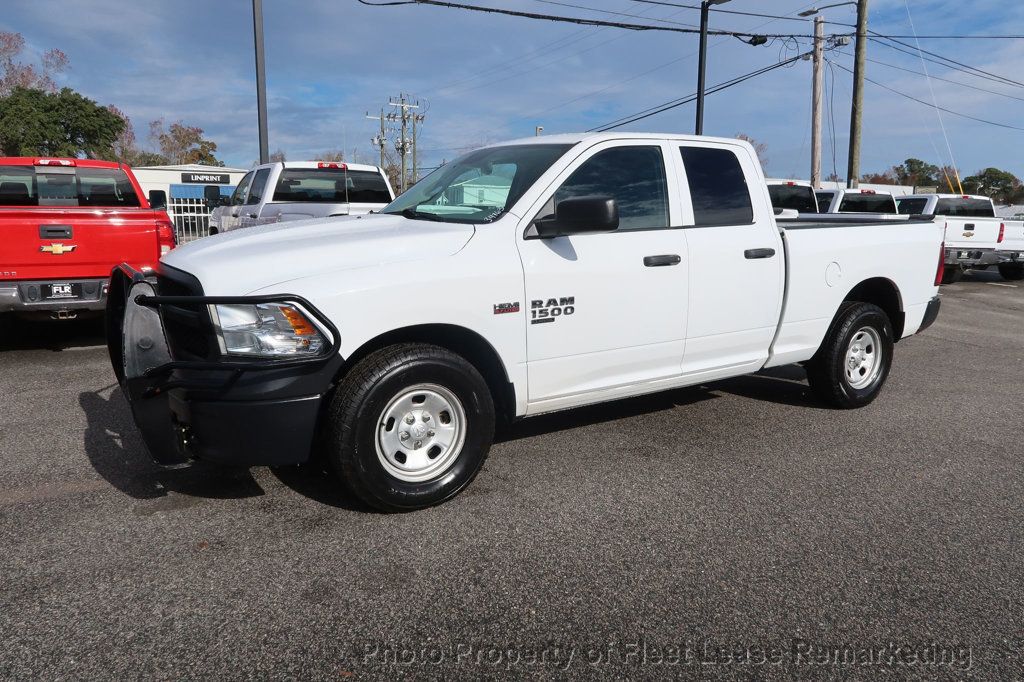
{"x":519,"y":279}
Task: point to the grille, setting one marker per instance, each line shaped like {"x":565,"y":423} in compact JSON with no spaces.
{"x":188,"y":327}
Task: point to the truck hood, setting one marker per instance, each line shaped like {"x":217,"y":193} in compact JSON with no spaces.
{"x":243,"y":261}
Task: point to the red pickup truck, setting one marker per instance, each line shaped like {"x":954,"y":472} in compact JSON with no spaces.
{"x":64,"y":224}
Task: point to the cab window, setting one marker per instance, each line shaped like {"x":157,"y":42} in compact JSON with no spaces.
{"x":259,"y":184}
{"x":633,"y":176}
{"x":911,"y":206}
{"x":238,"y":196}
{"x":718,"y":188}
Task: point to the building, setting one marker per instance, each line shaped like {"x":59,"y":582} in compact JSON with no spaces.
{"x":184,"y":187}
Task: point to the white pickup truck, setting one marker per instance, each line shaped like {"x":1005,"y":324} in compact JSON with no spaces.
{"x":975,"y":238}
{"x":299,"y":190}
{"x":593,"y":267}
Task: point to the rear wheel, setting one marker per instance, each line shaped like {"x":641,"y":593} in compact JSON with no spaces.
{"x":1012,"y":271}
{"x":853,"y":362}
{"x":952,"y":274}
{"x":410,"y":427}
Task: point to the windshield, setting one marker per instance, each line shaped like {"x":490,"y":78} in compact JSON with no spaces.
{"x":65,"y":186}
{"x":478,"y":187}
{"x":797,"y":197}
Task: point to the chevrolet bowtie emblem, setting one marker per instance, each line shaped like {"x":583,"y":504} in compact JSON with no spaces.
{"x":57,"y":248}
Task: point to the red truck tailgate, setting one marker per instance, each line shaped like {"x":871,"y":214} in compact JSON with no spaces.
{"x":71,"y":243}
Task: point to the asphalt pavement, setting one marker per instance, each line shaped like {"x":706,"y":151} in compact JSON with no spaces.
{"x":735,"y":530}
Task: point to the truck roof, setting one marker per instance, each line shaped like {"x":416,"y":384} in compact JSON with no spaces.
{"x":928,"y":195}
{"x":575,"y":138}
{"x":316,"y":164}
{"x":36,"y":160}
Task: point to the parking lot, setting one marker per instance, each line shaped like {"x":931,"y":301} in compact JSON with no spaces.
{"x":730,"y":529}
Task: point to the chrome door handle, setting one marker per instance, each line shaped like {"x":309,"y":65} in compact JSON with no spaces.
{"x":751,"y":254}
{"x":661,"y":261}
{"x":253,"y":215}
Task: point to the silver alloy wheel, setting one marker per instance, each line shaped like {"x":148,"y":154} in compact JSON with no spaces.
{"x":863,"y":358}
{"x":421,"y":433}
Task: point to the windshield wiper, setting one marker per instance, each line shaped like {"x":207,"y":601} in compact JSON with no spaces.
{"x":413,"y":214}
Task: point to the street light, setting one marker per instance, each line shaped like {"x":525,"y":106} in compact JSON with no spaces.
{"x":814,"y":10}
{"x":702,"y":61}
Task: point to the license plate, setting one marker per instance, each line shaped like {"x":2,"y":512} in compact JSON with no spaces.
{"x":53,"y":292}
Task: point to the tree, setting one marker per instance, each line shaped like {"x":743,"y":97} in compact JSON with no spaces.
{"x":335,"y":155}
{"x":916,"y":172}
{"x":278,"y":156}
{"x":760,"y":147}
{"x":38,"y":123}
{"x":182,"y":144}
{"x":1001,"y":185}
{"x":885,"y":178}
{"x":15,"y":74}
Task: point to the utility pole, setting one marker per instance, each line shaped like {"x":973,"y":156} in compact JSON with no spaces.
{"x":417,"y":118}
{"x":404,"y":145}
{"x":856,"y":109}
{"x":380,"y":139}
{"x":702,"y":62}
{"x":816,"y":100}
{"x":261,"y":79}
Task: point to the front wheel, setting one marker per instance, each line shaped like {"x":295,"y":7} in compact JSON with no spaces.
{"x":1012,"y":271}
{"x":410,"y":427}
{"x":854,"y":360}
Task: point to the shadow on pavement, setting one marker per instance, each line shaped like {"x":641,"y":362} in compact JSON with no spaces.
{"x":117,"y":453}
{"x":319,"y":483}
{"x":786,"y":385}
{"x":56,"y":335}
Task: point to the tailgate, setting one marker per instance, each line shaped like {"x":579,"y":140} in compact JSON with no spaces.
{"x":982,"y":233}
{"x":66,"y":243}
{"x":1013,"y":236}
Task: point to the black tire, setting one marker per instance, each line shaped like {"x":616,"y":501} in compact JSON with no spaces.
{"x":1012,"y":271}
{"x":357,"y":410}
{"x":826,"y":372}
{"x":213,"y":231}
{"x":952,"y":274}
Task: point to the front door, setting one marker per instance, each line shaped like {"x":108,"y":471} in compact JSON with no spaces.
{"x":605,"y":311}
{"x":231,"y":216}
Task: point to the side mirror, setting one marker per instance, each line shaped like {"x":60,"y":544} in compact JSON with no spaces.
{"x":580,"y":215}
{"x":211,"y":194}
{"x":157,"y":199}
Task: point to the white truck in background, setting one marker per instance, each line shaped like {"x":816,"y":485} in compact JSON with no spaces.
{"x":855,"y":201}
{"x":975,"y":238}
{"x":792,"y":195}
{"x":519,"y":279}
{"x":299,"y":190}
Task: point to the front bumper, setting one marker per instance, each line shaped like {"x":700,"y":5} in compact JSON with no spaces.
{"x":26,"y":296}
{"x":226,"y":411}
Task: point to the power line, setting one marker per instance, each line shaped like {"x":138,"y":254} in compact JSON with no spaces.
{"x":929,"y":104}
{"x":608,"y":11}
{"x":578,"y":20}
{"x":937,"y":78}
{"x":737,"y":12}
{"x":672,"y":104}
{"x":916,"y":52}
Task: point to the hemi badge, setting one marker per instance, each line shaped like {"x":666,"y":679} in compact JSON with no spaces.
{"x":502,"y":308}
{"x":58,"y":249}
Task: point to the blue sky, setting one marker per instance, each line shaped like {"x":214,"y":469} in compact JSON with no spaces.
{"x":487,"y":77}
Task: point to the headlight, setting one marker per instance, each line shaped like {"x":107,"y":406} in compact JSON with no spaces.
{"x":266,"y":330}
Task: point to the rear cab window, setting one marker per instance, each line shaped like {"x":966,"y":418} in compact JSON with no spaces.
{"x":795,"y":197}
{"x":66,"y":186}
{"x":911,"y":206}
{"x":860,"y":202}
{"x":965,"y":208}
{"x":331,"y":185}
{"x":718,"y":187}
{"x":824,"y":200}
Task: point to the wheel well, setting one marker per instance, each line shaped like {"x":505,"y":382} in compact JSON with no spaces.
{"x":465,"y":342}
{"x":885,"y":294}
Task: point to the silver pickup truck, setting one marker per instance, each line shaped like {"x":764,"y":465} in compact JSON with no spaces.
{"x":299,"y":190}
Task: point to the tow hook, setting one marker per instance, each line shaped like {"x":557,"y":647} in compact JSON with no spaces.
{"x":64,"y":315}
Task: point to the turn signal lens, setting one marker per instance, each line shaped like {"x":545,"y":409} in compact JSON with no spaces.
{"x":300,"y":325}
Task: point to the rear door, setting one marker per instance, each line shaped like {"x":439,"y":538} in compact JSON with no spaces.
{"x":736,"y":261}
{"x":67,"y":222}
